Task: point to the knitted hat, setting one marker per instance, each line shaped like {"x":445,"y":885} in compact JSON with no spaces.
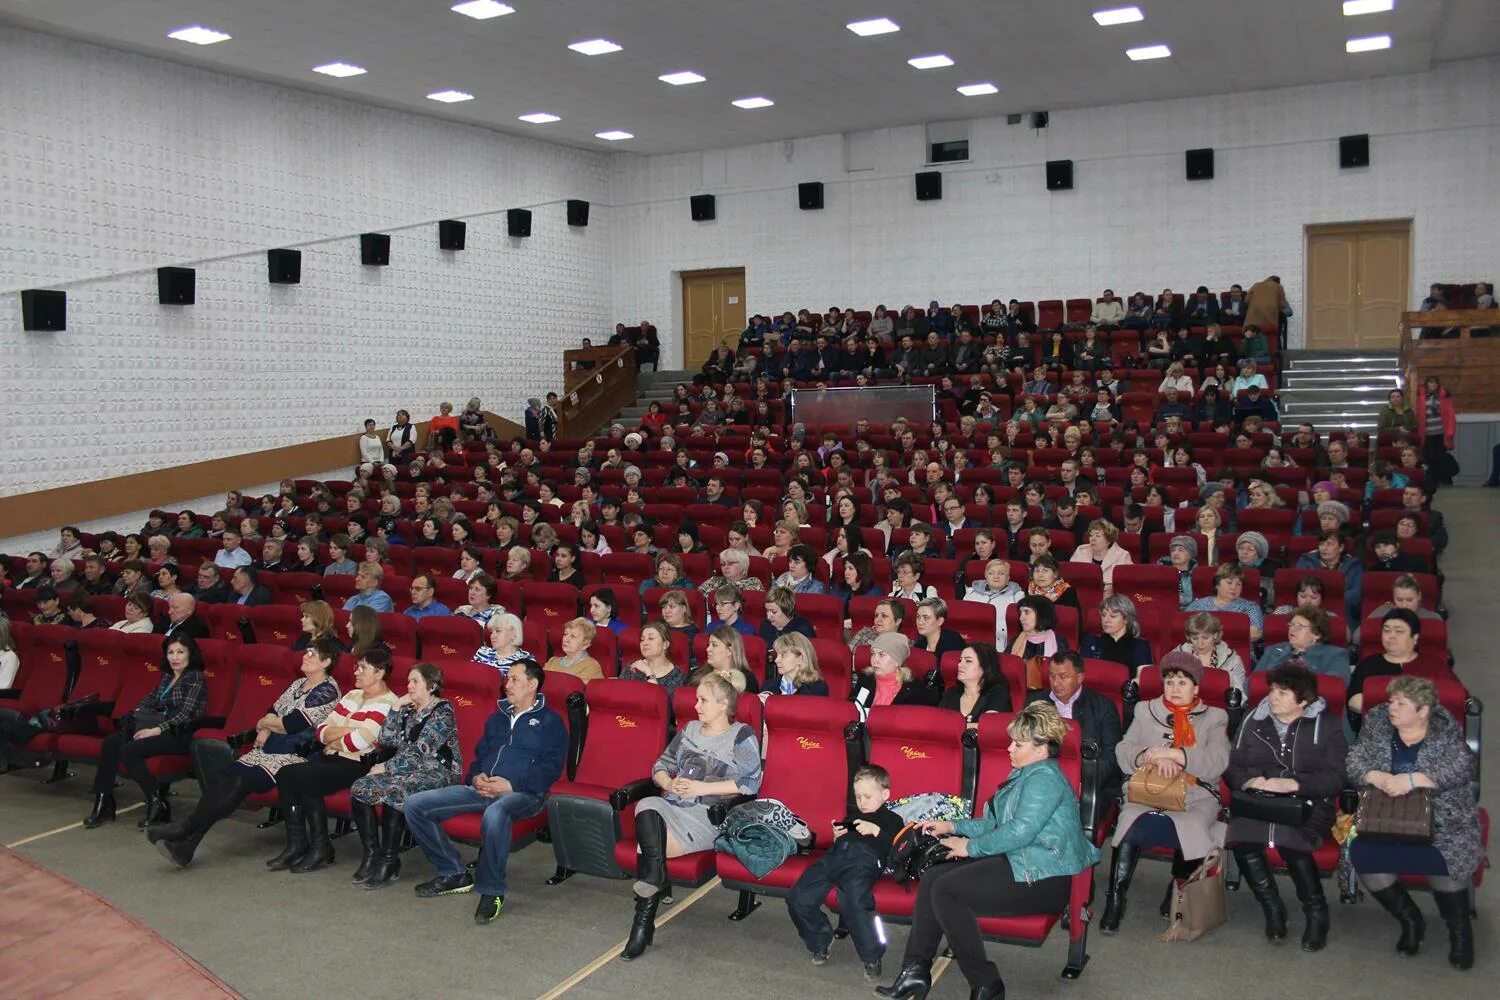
{"x":1338,"y":510}
{"x":632,"y":440}
{"x":1208,"y":490}
{"x":1324,"y":484}
{"x":896,"y":646}
{"x":631,"y":468}
{"x":1184,"y":542}
{"x":1255,"y":538}
{"x":1184,"y":661}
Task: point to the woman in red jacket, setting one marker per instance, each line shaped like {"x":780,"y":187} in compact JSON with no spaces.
{"x":1436,"y":425}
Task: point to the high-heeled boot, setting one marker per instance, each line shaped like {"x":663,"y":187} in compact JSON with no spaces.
{"x":296,"y":839}
{"x":1399,"y":904}
{"x":1454,"y":906}
{"x":319,"y":846}
{"x":103,"y":811}
{"x":912,"y":983}
{"x":368,"y":825}
{"x":1257,"y":872}
{"x":387,"y":864}
{"x":158,"y":809}
{"x":1121,"y":870}
{"x":1304,"y":872}
{"x":650,"y":883}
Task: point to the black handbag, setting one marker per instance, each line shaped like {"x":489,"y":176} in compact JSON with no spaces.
{"x":1269,"y":807}
{"x":144,"y":718}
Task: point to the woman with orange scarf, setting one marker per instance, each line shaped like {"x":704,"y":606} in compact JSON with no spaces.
{"x":1171,"y":735}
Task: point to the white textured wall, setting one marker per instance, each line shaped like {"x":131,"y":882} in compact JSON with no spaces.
{"x":112,"y":164}
{"x":1131,"y":222}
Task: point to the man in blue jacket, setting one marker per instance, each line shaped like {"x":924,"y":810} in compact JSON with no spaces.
{"x":521,"y":754}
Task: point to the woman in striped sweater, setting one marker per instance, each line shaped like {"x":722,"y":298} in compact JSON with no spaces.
{"x":350,"y":731}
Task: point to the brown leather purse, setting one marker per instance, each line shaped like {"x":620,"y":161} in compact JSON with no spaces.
{"x":1401,"y":819}
{"x":1148,"y":788}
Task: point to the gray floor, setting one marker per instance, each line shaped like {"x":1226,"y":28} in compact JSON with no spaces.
{"x":262,"y":932}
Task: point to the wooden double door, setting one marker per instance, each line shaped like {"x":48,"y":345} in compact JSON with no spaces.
{"x":1358,"y":278}
{"x":713,"y":312}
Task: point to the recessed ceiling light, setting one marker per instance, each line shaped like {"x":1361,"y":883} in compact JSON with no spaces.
{"x":339,"y":69}
{"x":1119,"y":15}
{"x":680,"y":79}
{"x":613,"y":136}
{"x":930,"y":62}
{"x":753,"y":102}
{"x":198,"y":35}
{"x":595,"y":47}
{"x":1354,"y":8}
{"x":1370,"y":44}
{"x":450,"y":96}
{"x":875,"y":26}
{"x":1149,"y":52}
{"x":482,"y":10}
{"x":539,"y":118}
{"x":978,"y":89}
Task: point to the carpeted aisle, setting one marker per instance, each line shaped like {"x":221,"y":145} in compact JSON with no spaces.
{"x":58,"y":939}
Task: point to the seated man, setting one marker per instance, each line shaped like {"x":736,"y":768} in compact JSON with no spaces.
{"x":1109,"y":312}
{"x":367,"y":590}
{"x":96,"y":577}
{"x":1255,"y":403}
{"x":232,"y":553}
{"x":424,"y":602}
{"x":1096,"y":715}
{"x":182,"y":618}
{"x":519,"y":757}
{"x":1171,"y":406}
{"x":248,"y":589}
{"x":210,"y":587}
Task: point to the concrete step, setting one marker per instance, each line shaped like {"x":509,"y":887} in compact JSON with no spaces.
{"x":1360,"y":362}
{"x":1332,"y":397}
{"x":1351,"y":380}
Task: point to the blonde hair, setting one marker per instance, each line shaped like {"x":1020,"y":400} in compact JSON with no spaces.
{"x":1203,"y":623}
{"x":1108,"y":530}
{"x":799,"y":645}
{"x":583,"y":627}
{"x":722,"y":689}
{"x":322,"y":617}
{"x":1039,"y":723}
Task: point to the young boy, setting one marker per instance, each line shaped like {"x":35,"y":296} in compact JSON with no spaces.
{"x":862,"y":840}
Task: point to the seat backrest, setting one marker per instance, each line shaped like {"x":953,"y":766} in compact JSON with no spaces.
{"x":921,"y":747}
{"x":223,"y":621}
{"x":1451,"y":693}
{"x":274,"y":624}
{"x":99,"y":671}
{"x":824,"y":611}
{"x":1213,"y":691}
{"x":748,"y":708}
{"x":1330,"y":689}
{"x":627,"y":731}
{"x":806,"y":760}
{"x":399,"y":632}
{"x":550,"y":600}
{"x":975,"y":622}
{"x":994,"y":756}
{"x":221,"y":675}
{"x":449,"y":637}
{"x":1108,"y":678}
{"x":836,"y":664}
{"x":1148,"y":585}
{"x":141,"y":659}
{"x":265,"y":672}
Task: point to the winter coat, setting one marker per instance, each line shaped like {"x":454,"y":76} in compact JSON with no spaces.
{"x":1313,"y":754}
{"x":1447,"y":760}
{"x":1198,"y":826}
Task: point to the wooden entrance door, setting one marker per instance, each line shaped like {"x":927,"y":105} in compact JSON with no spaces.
{"x":1358,"y":276}
{"x":713,"y":312}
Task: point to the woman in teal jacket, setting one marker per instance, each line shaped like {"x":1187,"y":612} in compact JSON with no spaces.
{"x":1018,"y":859}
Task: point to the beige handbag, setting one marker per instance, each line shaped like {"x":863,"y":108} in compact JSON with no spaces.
{"x":1198,"y":904}
{"x":1148,"y":788}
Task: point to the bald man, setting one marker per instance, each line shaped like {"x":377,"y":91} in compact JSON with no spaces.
{"x":182,"y":618}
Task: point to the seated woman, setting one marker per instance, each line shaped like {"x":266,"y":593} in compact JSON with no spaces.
{"x":1120,"y":636}
{"x":505,"y":636}
{"x":1412,"y":743}
{"x":306,"y":558}
{"x":364,"y":631}
{"x":908,"y":573}
{"x":797,"y":671}
{"x":1307,"y":633}
{"x":470,"y":563}
{"x":786,"y":534}
{"x":932,"y":636}
{"x":482,"y":589}
{"x":981,"y":686}
{"x":345,"y":736}
{"x":998,"y":591}
{"x":1205,"y":640}
{"x":168,"y":582}
{"x":417,"y":750}
{"x":655,"y":665}
{"x":711,"y":758}
{"x":669,"y":573}
{"x":726,"y":657}
{"x":1287,"y":747}
{"x":1229,"y":586}
{"x":1400,"y":630}
{"x":318,"y":623}
{"x":889,"y":681}
{"x":604,"y":610}
{"x":137,"y":616}
{"x":1018,"y":859}
{"x":1182,"y":555}
{"x":284,"y":735}
{"x":159,"y":724}
{"x":1036,"y":638}
{"x":1158,"y":743}
{"x":1047,"y":582}
{"x":678,"y":614}
{"x":577,"y":637}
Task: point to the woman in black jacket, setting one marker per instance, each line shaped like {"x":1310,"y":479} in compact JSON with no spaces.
{"x":888,"y":681}
{"x":981,"y":686}
{"x":1290,"y":749}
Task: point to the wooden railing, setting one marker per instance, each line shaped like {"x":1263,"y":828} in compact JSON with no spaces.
{"x":1468,"y":366}
{"x":594,"y":395}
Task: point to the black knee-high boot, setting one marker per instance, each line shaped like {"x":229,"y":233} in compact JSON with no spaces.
{"x":1399,"y":904}
{"x":319,"y":847}
{"x":1454,"y":906}
{"x":651,"y":881}
{"x":178,"y":841}
{"x":1121,"y":870}
{"x":296,"y":838}
{"x":387,"y":864}
{"x":365,"y":821}
{"x":1304,"y":873}
{"x":1257,"y":872}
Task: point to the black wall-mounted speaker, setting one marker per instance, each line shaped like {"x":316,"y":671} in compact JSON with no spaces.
{"x":1200,"y":164}
{"x":578,"y":212}
{"x":1059,"y":175}
{"x":518,"y":221}
{"x":930,"y":186}
{"x":284,"y":266}
{"x":176,"y":286}
{"x":375,"y":249}
{"x":702,"y":207}
{"x":810,"y":196}
{"x":1354,"y":151}
{"x":44,"y":309}
{"x":451,"y":234}
{"x":1040,"y":119}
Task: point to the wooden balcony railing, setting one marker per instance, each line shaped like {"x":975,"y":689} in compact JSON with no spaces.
{"x":1468,"y":365}
{"x":593,"y":395}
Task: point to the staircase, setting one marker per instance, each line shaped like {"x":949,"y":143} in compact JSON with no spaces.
{"x":652,"y":386}
{"x":1333,"y":389}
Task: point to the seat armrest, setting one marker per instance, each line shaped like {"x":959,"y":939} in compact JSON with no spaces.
{"x":11,"y":693}
{"x":206,"y":722}
{"x":633,"y":792}
{"x":719,"y":811}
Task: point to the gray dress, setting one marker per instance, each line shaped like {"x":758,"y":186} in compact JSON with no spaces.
{"x":733,"y":755}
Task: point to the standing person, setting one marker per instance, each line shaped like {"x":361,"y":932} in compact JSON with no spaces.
{"x":1265,"y":304}
{"x":1018,"y":859}
{"x":861,"y":842}
{"x":519,"y":757}
{"x":1436,"y":426}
